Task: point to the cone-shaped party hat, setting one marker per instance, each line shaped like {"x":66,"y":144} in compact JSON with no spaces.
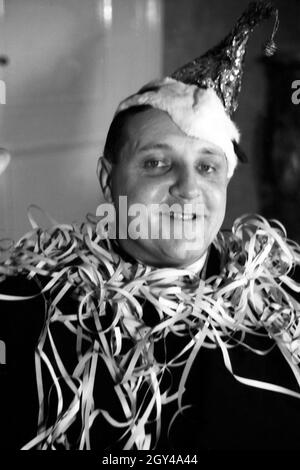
{"x":221,"y":68}
{"x":201,"y":96}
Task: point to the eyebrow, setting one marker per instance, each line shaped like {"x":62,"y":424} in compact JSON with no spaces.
{"x":155,"y":146}
{"x":212,"y":151}
{"x":164,"y":146}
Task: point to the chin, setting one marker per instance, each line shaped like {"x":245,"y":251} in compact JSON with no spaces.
{"x":182,"y":253}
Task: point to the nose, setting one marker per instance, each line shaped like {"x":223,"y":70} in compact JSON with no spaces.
{"x":186,"y":185}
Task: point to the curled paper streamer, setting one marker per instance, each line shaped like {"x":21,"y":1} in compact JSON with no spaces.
{"x":247,"y":295}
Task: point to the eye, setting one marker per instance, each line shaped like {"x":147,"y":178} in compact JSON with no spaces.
{"x":153,"y":164}
{"x":206,"y":168}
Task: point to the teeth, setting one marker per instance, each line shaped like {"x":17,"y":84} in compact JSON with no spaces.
{"x":180,"y":216}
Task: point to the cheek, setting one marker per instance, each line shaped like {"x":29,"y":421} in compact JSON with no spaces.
{"x":121,"y":183}
{"x":138,"y":188}
{"x":216,"y":198}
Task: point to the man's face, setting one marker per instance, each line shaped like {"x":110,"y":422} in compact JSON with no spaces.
{"x":159,"y":164}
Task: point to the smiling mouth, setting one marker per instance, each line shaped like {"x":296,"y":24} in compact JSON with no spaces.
{"x":182,"y":216}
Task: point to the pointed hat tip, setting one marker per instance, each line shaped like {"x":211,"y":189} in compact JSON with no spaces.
{"x":221,"y":67}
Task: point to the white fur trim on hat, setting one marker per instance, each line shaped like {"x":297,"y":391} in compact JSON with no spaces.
{"x":198,"y":112}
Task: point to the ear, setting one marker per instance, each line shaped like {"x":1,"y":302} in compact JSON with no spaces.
{"x":104,"y":168}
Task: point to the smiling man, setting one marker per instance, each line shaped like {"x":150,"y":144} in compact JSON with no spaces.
{"x":167,"y":342}
{"x":160,"y":166}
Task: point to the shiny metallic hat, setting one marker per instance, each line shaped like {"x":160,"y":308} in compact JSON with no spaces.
{"x":201,"y":96}
{"x":221,"y":68}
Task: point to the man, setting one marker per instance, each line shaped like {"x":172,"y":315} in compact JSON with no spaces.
{"x":160,"y":165}
{"x":188,"y":342}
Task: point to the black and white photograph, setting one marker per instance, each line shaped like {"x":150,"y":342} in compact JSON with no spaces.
{"x":149,"y":230}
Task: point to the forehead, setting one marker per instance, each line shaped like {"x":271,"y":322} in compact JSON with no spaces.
{"x":153,"y":125}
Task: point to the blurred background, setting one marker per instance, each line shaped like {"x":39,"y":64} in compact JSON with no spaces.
{"x":70,"y":62}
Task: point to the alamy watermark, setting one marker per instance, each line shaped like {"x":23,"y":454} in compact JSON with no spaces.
{"x":153,"y":221}
{"x":296,"y":94}
{"x":2,"y":82}
{"x":2,"y":352}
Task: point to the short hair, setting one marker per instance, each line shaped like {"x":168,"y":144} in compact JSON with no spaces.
{"x":116,"y":136}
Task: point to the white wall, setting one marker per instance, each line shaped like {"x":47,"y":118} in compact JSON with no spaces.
{"x":71,"y":62}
